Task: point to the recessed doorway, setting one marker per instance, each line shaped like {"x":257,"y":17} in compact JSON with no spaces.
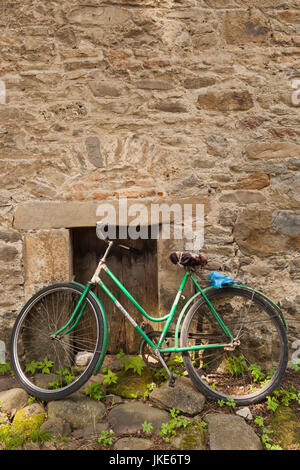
{"x":138,"y":272}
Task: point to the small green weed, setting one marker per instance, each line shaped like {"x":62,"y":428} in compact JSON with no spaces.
{"x":66,"y":378}
{"x":134,"y":362}
{"x":106,"y":438}
{"x":120,"y":354}
{"x":256,"y":372}
{"x":109,"y":377}
{"x":272,"y":403}
{"x":265,"y":438}
{"x":31,"y":400}
{"x":236,"y":365}
{"x":4,"y":368}
{"x":150,"y":388}
{"x":285,"y":396}
{"x":169,"y":429}
{"x":230,"y":402}
{"x":95,"y":391}
{"x":147,"y":427}
{"x":44,"y":366}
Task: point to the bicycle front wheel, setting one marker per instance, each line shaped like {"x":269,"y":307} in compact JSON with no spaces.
{"x":53,"y":368}
{"x":252,"y":368}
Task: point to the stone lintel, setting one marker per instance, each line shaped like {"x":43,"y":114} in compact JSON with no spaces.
{"x":37,"y":215}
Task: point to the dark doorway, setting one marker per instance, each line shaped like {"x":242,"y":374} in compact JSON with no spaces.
{"x":136,"y":270}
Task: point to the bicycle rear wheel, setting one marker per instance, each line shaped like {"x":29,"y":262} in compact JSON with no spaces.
{"x":53,"y":368}
{"x":254,"y":367}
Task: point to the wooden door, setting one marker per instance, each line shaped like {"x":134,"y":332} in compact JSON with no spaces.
{"x":138,"y":273}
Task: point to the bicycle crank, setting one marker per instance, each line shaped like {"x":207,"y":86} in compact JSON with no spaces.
{"x":147,"y":353}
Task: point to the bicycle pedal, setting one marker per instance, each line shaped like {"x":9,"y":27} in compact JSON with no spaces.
{"x":172,"y":380}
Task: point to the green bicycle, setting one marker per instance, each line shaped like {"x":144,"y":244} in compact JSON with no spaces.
{"x":232,"y":339}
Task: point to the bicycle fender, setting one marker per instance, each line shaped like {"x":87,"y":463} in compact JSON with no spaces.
{"x":271,"y":302}
{"x":106,"y":330}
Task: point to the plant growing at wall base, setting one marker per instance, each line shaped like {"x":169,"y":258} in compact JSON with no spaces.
{"x":230,"y":402}
{"x":135,"y":363}
{"x":236,"y":365}
{"x":147,"y":427}
{"x":106,"y":438}
{"x":265,"y":438}
{"x":256,"y":372}
{"x":109,"y":377}
{"x":44,"y":366}
{"x":95,"y":391}
{"x":6,"y":368}
{"x":169,"y":429}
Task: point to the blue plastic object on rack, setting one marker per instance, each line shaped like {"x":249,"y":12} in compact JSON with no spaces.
{"x":217,"y":279}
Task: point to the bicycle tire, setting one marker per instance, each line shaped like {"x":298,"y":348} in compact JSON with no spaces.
{"x":23,"y":335}
{"x":215,"y":376}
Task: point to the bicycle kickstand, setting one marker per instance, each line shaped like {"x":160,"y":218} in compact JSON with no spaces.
{"x":172,"y":380}
{"x":172,"y":377}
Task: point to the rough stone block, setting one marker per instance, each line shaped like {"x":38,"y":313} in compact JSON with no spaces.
{"x":225,"y":101}
{"x":242,"y":197}
{"x":238,"y":435}
{"x":272,"y":149}
{"x":92,"y":144}
{"x":47,"y":258}
{"x":8,"y":253}
{"x":103,"y":89}
{"x":287,"y":222}
{"x":93,"y":15}
{"x":254,"y":181}
{"x":255,"y":234}
{"x":148,"y":84}
{"x":287,"y":190}
{"x":245,"y":26}
{"x":198,"y":82}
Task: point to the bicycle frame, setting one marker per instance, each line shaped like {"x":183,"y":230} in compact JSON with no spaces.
{"x":78,"y":311}
{"x":167,"y":318}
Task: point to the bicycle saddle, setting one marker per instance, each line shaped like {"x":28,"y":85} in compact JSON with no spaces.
{"x":188,"y":259}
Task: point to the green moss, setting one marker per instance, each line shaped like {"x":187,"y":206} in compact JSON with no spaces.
{"x":28,"y":419}
{"x":25,"y":427}
{"x":131,"y":385}
{"x":190,"y":438}
{"x":286,"y":428}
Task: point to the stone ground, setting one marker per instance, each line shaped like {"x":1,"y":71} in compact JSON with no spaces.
{"x":77,"y":422}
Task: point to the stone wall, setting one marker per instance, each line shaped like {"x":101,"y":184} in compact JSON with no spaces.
{"x":155,"y":100}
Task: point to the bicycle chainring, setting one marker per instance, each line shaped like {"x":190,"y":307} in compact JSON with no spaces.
{"x":147,"y":353}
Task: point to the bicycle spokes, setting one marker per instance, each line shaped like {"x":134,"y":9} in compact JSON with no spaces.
{"x":246,"y":366}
